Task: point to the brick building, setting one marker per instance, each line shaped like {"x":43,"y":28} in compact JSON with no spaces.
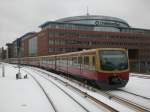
{"x":9,"y":50}
{"x":91,"y":31}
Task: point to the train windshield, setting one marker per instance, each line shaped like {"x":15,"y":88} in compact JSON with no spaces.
{"x":113,"y":60}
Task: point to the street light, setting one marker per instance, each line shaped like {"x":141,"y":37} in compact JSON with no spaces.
{"x":18,"y":75}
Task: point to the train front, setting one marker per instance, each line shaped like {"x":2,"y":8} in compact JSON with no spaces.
{"x":113,"y":67}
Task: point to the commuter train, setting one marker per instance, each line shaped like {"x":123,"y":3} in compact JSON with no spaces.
{"x":106,"y":67}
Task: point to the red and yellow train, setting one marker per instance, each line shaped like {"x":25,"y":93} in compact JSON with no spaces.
{"x":107,"y":67}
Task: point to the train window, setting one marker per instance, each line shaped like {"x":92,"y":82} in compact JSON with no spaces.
{"x":58,"y":61}
{"x":63,"y":61}
{"x":79,"y":60}
{"x":93,"y":60}
{"x":74,"y":61}
{"x":41,"y":61}
{"x":50,"y":60}
{"x":46,"y":60}
{"x":86,"y":60}
{"x":69,"y":61}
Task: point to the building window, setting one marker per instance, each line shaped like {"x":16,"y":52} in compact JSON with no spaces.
{"x":51,"y":49}
{"x":51,"y":42}
{"x":33,"y":46}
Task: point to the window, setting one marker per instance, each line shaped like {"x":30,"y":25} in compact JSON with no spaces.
{"x":51,"y":49}
{"x":86,"y":63}
{"x":51,"y":42}
{"x":80,"y":60}
{"x":86,"y":60}
{"x":74,"y":61}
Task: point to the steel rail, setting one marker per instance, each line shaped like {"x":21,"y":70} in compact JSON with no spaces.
{"x":134,"y":94}
{"x":109,"y":108}
{"x":130,"y":104}
{"x":65,"y":93}
{"x":49,"y":99}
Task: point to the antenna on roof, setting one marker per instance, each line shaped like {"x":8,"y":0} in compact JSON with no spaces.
{"x":87,"y":11}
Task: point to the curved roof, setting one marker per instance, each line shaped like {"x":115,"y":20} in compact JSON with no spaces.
{"x":78,"y":19}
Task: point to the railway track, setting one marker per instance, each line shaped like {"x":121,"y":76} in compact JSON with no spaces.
{"x":140,"y":76}
{"x":44,"y":91}
{"x":123,"y":101}
{"x":86,"y":95}
{"x":146,"y":98}
{"x":133,"y":105}
{"x":51,"y":102}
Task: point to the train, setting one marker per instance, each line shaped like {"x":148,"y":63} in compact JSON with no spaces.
{"x":108,"y":68}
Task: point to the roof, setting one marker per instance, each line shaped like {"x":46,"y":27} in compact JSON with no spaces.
{"x":90,"y":20}
{"x":90,"y":17}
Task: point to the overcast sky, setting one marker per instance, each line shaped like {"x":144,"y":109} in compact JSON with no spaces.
{"x":18,"y":17}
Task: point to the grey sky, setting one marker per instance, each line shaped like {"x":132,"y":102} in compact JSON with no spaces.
{"x":18,"y":17}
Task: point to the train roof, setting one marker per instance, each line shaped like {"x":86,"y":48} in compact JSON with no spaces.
{"x":84,"y":51}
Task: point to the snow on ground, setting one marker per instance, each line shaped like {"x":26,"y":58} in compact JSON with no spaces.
{"x":62,"y":102}
{"x":138,"y":86}
{"x":112,"y":103}
{"x":138,"y":74}
{"x":135,"y":85}
{"x":20,"y":95}
{"x":25,"y":96}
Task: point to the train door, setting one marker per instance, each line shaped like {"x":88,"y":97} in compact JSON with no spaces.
{"x":80,"y":61}
{"x":92,"y":63}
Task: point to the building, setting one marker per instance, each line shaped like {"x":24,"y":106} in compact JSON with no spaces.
{"x":29,"y":44}
{"x":2,"y":53}
{"x":85,"y":32}
{"x":91,"y":31}
{"x":9,"y":53}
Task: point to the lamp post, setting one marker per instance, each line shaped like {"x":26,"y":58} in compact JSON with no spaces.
{"x":18,"y":75}
{"x":3,"y":70}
